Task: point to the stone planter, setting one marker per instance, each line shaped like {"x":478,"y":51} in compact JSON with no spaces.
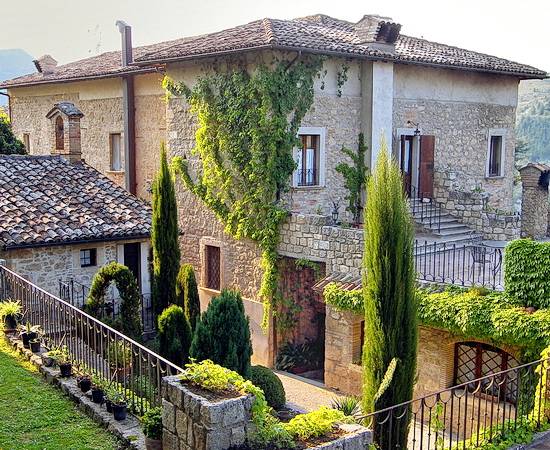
{"x":356,"y":438}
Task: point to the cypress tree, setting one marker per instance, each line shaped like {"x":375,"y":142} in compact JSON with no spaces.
{"x":187,"y":294}
{"x":223,"y":334}
{"x":174,"y":335}
{"x":164,"y":238}
{"x":9,"y":144}
{"x":389,"y":353}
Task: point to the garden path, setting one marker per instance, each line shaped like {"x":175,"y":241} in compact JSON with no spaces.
{"x":306,"y":395}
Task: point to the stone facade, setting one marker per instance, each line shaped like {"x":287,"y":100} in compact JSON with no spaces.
{"x":101,"y":103}
{"x":534,"y":206}
{"x":45,"y":266}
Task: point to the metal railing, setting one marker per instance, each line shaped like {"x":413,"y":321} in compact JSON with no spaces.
{"x":468,"y":415}
{"x":307,"y":177}
{"x":76,"y":294}
{"x":132,"y":369}
{"x":424,"y":208}
{"x":462,"y":265}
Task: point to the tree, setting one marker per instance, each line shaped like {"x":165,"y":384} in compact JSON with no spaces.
{"x":174,"y":335}
{"x":389,"y":353}
{"x":223,"y":334}
{"x":164,"y":238}
{"x":355,"y":177}
{"x":9,"y":144}
{"x":128,"y":320}
{"x":187,"y":294}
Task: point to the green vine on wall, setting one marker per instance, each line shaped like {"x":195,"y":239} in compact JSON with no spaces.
{"x":248,"y":122}
{"x":341,"y":78}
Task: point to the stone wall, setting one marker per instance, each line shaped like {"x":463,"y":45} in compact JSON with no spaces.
{"x":101,"y":103}
{"x":45,"y":266}
{"x":534,"y":206}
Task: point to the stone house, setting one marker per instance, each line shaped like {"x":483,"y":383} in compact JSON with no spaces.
{"x":447,"y":115}
{"x":61,"y":219}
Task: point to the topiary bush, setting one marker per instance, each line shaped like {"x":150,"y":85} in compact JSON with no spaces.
{"x":129,"y":317}
{"x":174,"y":334}
{"x":187,"y":294}
{"x":270,"y":383}
{"x":223,"y":334}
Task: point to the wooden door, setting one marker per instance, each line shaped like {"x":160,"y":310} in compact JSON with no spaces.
{"x":132,"y":260}
{"x":426,"y":169}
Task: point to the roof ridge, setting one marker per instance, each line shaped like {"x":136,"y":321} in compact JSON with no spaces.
{"x":269,"y":30}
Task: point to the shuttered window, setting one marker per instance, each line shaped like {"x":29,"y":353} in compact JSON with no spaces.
{"x":212,"y":256}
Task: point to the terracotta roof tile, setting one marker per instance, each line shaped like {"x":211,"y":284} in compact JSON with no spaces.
{"x":46,"y":200}
{"x":318,"y":33}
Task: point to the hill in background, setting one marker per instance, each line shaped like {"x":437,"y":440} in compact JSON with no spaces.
{"x":14,"y":63}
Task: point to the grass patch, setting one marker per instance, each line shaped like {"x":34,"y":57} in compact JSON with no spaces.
{"x":37,"y":416}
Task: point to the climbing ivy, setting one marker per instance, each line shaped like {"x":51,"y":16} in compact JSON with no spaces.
{"x":248,"y":122}
{"x":472,"y":313}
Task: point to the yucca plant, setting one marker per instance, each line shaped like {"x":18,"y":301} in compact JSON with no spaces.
{"x":350,"y":405}
{"x":10,"y":313}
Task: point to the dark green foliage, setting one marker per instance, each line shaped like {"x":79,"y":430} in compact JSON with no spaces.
{"x":164,"y":238}
{"x":527,"y":272}
{"x":355,"y":178}
{"x":223,"y":335}
{"x":9,"y":144}
{"x":270,"y":383}
{"x":187,"y":294}
{"x":129,"y":318}
{"x":390,"y":306}
{"x":174,"y":334}
{"x":151,"y":423}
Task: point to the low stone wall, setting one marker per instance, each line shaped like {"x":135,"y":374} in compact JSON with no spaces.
{"x":191,"y":422}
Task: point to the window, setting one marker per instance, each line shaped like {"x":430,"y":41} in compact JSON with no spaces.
{"x":358,"y":341}
{"x":27,"y":142}
{"x":88,"y":257}
{"x":475,"y":360}
{"x":212,"y":272}
{"x":495,"y":157}
{"x":115,"y":145}
{"x":59,"y":133}
{"x":307,"y":161}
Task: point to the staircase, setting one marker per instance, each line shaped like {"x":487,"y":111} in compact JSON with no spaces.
{"x":436,"y":224}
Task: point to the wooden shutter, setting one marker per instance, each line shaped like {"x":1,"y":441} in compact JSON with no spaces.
{"x":426,"y":171}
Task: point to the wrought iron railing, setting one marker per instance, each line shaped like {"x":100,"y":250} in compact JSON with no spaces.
{"x":424,"y":208}
{"x":76,"y":294}
{"x":307,"y":177}
{"x":470,"y":414}
{"x":459,"y":264}
{"x":131,"y":368}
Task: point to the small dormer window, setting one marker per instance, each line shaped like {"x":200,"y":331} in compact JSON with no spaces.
{"x":59,"y":133}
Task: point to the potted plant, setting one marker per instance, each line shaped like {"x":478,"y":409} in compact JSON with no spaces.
{"x":119,"y":354}
{"x":84,"y":382}
{"x":64,"y":363}
{"x":98,"y":389}
{"x":152,"y":428}
{"x":110,"y":392}
{"x":35,"y":345}
{"x":118,"y":405}
{"x":10,"y":313}
{"x":50,"y":357}
{"x":28,"y":332}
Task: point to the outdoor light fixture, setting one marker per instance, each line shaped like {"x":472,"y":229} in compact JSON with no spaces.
{"x":417,"y":130}
{"x":335,"y":207}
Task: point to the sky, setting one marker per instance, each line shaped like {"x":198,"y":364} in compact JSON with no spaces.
{"x":74,"y":29}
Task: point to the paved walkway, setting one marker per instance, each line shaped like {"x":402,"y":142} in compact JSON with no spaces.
{"x":306,"y":395}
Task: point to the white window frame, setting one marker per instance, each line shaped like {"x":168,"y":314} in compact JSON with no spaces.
{"x":321,"y":132}
{"x":496,"y":132}
{"x":120,"y":150}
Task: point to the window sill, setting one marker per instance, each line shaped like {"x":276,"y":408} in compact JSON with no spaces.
{"x":210,"y":290}
{"x":308,"y":188}
{"x":499,"y":177}
{"x":115,"y":172}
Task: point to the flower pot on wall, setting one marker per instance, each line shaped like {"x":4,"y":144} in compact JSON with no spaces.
{"x":98,"y":395}
{"x":35,"y":345}
{"x":26,"y":337}
{"x":109,"y":405}
{"x":119,"y":411}
{"x":10,"y":324}
{"x":66,"y":369}
{"x":47,"y":360}
{"x":84,"y":383}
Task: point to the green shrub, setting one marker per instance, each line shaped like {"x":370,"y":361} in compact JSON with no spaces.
{"x":350,"y":405}
{"x":223,"y":334}
{"x":316,"y":423}
{"x":527,"y":271}
{"x":270,"y":383}
{"x":187,"y":294}
{"x":174,"y":335}
{"x":151,"y":423}
{"x":129,"y":317}
{"x":9,"y":143}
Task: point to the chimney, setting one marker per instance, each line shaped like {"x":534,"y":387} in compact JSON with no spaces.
{"x":378,"y":32}
{"x":126,"y":34}
{"x":65,"y":124}
{"x":45,"y":64}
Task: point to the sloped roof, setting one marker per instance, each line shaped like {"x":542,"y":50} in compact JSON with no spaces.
{"x":318,"y":34}
{"x":45,"y":200}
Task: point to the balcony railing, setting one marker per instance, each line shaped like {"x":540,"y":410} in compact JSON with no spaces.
{"x":307,"y":177}
{"x":94,"y":347}
{"x":461,"y":265}
{"x":470,"y":414}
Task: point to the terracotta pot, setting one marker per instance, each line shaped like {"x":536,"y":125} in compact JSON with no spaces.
{"x":153,"y":444}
